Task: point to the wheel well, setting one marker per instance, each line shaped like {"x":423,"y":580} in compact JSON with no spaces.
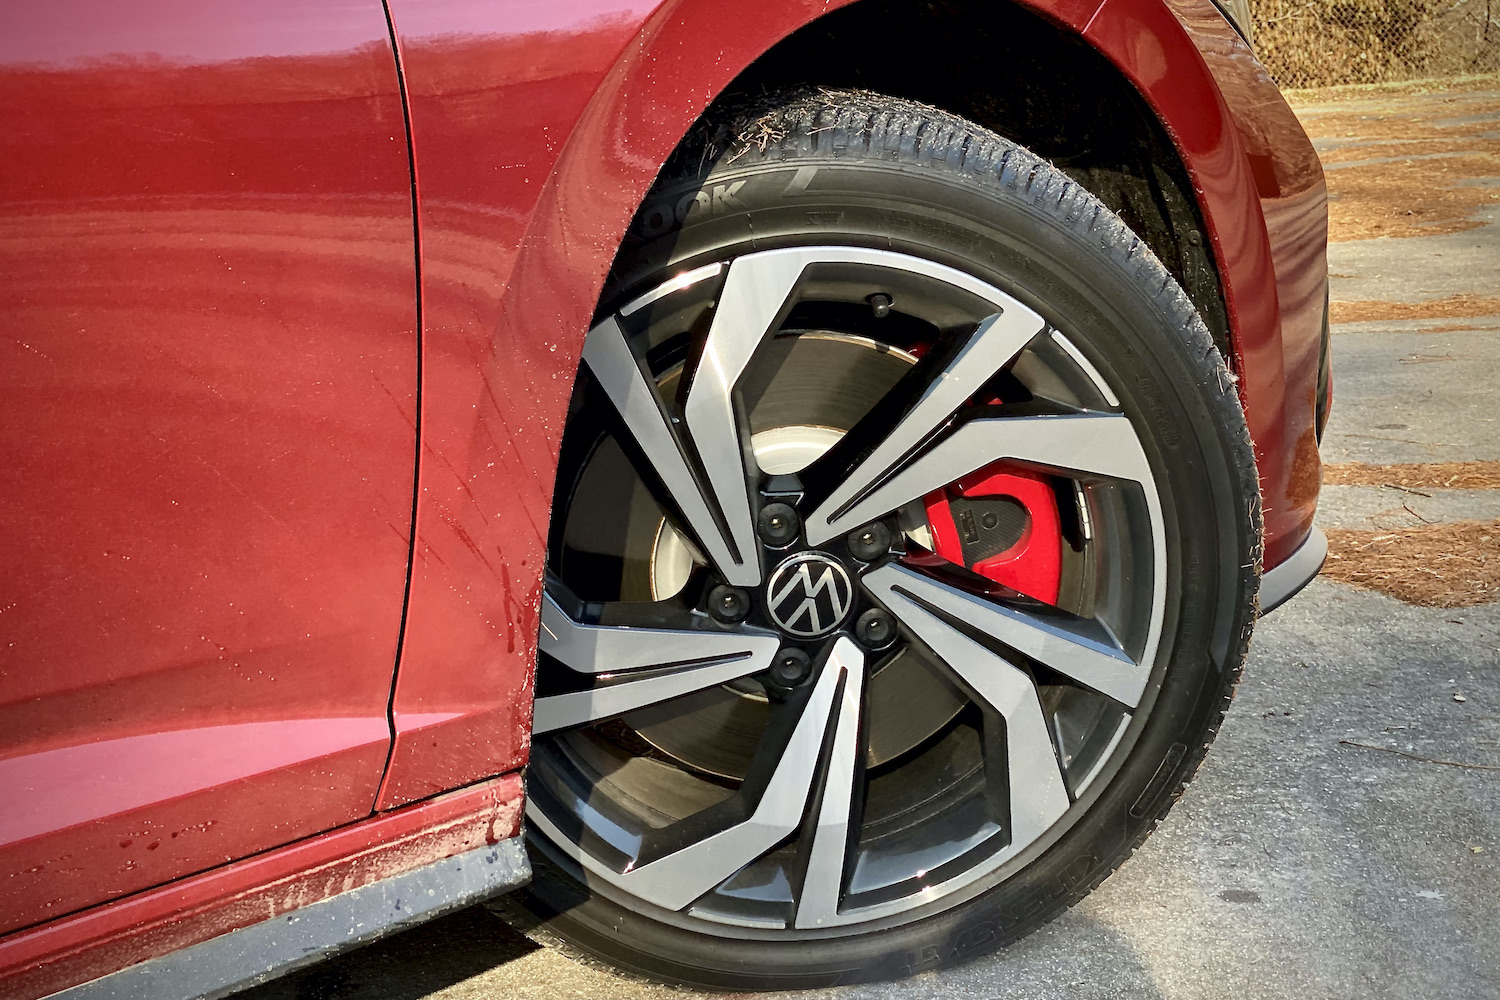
{"x":1028,"y":79}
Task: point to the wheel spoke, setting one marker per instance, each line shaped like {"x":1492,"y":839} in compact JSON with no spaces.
{"x":677,"y":879}
{"x":823,"y":882}
{"x":592,"y":648}
{"x":992,"y":346}
{"x":626,"y":384}
{"x":670,"y":662}
{"x":1086,"y":444}
{"x":1038,"y":797}
{"x":1077,"y":648}
{"x":754,"y":293}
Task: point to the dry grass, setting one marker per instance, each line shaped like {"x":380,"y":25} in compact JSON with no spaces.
{"x":1409,"y":197}
{"x":1426,"y":475}
{"x":1453,"y":565}
{"x":1453,"y":328}
{"x":1453,"y":307}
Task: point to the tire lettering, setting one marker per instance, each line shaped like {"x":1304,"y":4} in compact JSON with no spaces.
{"x":1149,"y":396}
{"x":800,"y":180}
{"x":694,"y":199}
{"x":655,"y":220}
{"x":928,"y":957}
{"x":724,"y":197}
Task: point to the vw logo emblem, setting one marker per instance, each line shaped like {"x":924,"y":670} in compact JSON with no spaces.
{"x":809,"y":595}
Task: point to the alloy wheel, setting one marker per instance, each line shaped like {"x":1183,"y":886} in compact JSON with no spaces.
{"x":856,"y":591}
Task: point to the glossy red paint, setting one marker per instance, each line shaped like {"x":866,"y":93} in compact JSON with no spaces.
{"x":1153,"y":49}
{"x":1294,"y":203}
{"x":494,"y":93}
{"x":207,"y":378}
{"x":56,"y":955}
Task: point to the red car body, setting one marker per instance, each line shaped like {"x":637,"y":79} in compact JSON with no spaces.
{"x":292,"y":298}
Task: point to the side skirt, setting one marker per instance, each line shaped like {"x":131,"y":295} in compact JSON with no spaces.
{"x":324,"y":893}
{"x":275,"y":947}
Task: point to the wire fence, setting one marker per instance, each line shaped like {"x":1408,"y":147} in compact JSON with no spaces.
{"x":1318,"y":43}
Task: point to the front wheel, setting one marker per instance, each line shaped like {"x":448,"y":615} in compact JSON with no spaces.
{"x":903,"y":558}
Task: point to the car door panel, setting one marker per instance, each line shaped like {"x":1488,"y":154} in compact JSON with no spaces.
{"x":207,"y":388}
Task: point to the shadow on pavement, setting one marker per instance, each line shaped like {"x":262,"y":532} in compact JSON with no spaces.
{"x":473,"y":954}
{"x":406,"y":966}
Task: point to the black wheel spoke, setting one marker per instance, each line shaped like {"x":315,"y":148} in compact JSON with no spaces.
{"x":920,"y":410}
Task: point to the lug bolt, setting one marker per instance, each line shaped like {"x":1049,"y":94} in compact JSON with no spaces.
{"x":881,"y":304}
{"x":728,"y":604}
{"x":870,"y":542}
{"x":791,"y":667}
{"x":875,"y":628}
{"x":778,"y":524}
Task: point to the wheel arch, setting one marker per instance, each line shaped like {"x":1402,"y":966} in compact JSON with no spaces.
{"x":690,"y":54}
{"x":1039,"y":82}
{"x":1145,"y":129}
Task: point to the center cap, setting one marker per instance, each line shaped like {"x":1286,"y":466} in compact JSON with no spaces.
{"x":809,"y":595}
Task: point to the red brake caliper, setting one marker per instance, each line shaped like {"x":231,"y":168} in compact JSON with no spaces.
{"x":1002,"y":523}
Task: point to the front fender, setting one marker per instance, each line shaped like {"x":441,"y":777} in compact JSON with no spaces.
{"x":513,"y":265}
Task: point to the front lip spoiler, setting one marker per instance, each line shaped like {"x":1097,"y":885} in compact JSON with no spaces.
{"x":1281,"y":583}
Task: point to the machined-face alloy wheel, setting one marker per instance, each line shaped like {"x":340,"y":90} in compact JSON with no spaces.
{"x":895,"y":586}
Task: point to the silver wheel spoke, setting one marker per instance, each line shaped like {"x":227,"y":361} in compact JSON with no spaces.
{"x":824,"y":880}
{"x":1088,"y":444}
{"x":626,"y":384}
{"x":754,"y":292}
{"x":992,"y":346}
{"x":675,"y":662}
{"x":1064,"y":645}
{"x":1038,"y":797}
{"x":676,"y":880}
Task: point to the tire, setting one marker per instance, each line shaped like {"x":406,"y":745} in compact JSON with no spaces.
{"x":1053,"y":647}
